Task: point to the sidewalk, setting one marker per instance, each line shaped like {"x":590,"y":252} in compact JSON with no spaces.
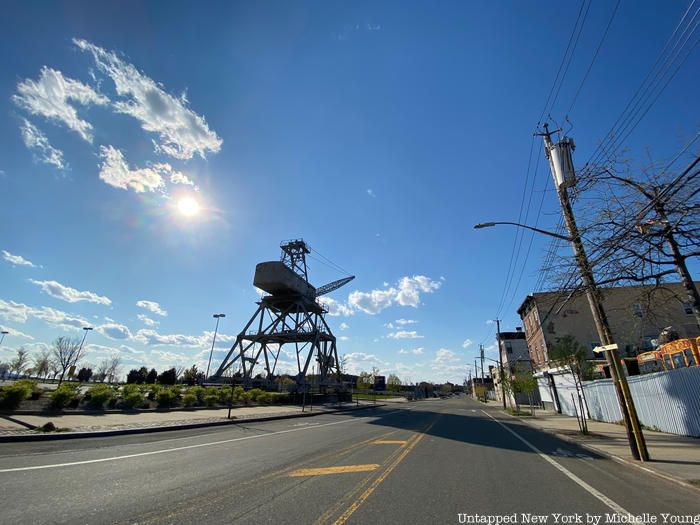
{"x":71,"y":424}
{"x":672,"y":457}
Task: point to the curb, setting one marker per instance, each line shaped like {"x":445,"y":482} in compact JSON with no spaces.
{"x":187,"y":426}
{"x":608,"y":455}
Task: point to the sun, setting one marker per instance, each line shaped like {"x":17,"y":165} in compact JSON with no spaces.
{"x":188,"y":206}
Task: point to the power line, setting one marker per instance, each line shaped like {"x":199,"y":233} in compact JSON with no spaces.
{"x":655,"y":75}
{"x":595,"y":56}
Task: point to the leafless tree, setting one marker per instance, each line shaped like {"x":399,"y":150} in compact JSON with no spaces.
{"x":19,"y":364}
{"x":66,"y":353}
{"x":113,"y":364}
{"x":42,"y":364}
{"x":638,"y":228}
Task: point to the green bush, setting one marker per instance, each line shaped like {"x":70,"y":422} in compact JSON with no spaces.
{"x":129,"y":389}
{"x":198,"y":393}
{"x":167,"y":397}
{"x":153,"y":391}
{"x":211,"y":396}
{"x":64,"y":395}
{"x":12,"y":395}
{"x":98,"y":395}
{"x":254,"y":393}
{"x":225,"y":395}
{"x":133,"y":399}
{"x":264,"y":398}
{"x":189,"y":399}
{"x":238,"y":394}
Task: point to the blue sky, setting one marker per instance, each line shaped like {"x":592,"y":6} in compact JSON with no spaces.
{"x":380,"y":132}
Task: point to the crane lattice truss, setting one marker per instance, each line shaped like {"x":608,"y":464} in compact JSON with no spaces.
{"x":290,"y":315}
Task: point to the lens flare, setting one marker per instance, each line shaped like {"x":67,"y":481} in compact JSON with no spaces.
{"x":188,"y":206}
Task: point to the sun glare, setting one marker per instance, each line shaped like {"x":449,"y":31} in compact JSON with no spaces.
{"x":188,"y":206}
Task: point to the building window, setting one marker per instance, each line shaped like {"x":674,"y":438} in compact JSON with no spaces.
{"x":688,"y":309}
{"x":509,"y":347}
{"x":550,"y":327}
{"x":637,"y":309}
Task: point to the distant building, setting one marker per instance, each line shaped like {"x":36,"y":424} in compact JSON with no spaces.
{"x":636,"y":315}
{"x":514,"y":354}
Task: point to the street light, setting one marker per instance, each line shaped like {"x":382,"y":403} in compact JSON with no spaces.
{"x":217,"y":317}
{"x":4,"y":333}
{"x":87,"y":329}
{"x":538,"y":230}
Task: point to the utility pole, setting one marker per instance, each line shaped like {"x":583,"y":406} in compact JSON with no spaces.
{"x":561,"y":165}
{"x":500,"y":360}
{"x":481,"y":353}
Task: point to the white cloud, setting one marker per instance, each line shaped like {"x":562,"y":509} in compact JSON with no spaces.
{"x":405,"y":334}
{"x":414,"y":351}
{"x":405,"y":321}
{"x":17,"y":260}
{"x":344,"y":326}
{"x":44,"y":152}
{"x":467,"y":343}
{"x":115,"y":171}
{"x":178,"y":177}
{"x":152,"y":307}
{"x":335,"y":308}
{"x":68,"y":294}
{"x":147,"y":320}
{"x":114,"y":331}
{"x":410,"y":289}
{"x":182,"y":133}
{"x":372,"y":302}
{"x":444,"y":355}
{"x":343,"y":338}
{"x":20,"y":313}
{"x":50,"y":96}
{"x":371,"y":193}
{"x":406,"y":292}
{"x":151,"y":337}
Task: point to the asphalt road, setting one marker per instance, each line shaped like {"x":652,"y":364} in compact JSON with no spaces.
{"x":426,"y":462}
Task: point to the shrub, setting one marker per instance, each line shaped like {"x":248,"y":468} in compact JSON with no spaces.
{"x":133,"y":398}
{"x":189,"y":399}
{"x":167,"y":397}
{"x":264,"y":398}
{"x":130,"y":389}
{"x":198,"y":393}
{"x":98,"y":395}
{"x":12,"y":395}
{"x":211,"y":396}
{"x":64,"y":395}
{"x":153,"y":391}
{"x":225,"y":395}
{"x":238,"y":394}
{"x":254,"y":393}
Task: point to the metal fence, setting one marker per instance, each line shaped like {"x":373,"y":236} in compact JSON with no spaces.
{"x":665,"y":401}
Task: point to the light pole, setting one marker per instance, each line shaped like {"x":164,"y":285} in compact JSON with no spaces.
{"x":500,"y":360}
{"x":87,"y":329}
{"x":217,"y":317}
{"x":532,"y":228}
{"x":4,"y":333}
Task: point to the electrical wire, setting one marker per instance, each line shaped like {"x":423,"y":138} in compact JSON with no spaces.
{"x":595,"y":56}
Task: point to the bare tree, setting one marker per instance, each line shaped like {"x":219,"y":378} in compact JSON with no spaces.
{"x":113,"y":364}
{"x":19,"y":364}
{"x":66,"y":353}
{"x":638,"y":228}
{"x":42,"y":364}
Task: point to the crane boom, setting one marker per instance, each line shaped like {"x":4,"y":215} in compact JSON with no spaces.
{"x":327,"y":288}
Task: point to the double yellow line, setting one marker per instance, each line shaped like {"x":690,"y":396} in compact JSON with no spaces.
{"x":393,"y":461}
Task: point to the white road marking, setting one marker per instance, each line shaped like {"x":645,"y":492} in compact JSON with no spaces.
{"x":176,"y":449}
{"x":594,"y":492}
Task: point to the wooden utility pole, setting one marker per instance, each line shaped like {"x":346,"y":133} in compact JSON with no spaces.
{"x":561,"y":165}
{"x":500,"y":360}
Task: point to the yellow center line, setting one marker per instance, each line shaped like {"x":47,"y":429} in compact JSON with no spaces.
{"x":389,"y":442}
{"x":367,"y":493}
{"x":323,"y":471}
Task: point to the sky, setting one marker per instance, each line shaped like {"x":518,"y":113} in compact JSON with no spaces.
{"x":152,"y":153}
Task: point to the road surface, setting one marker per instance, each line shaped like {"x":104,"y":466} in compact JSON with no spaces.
{"x":433,"y":462}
